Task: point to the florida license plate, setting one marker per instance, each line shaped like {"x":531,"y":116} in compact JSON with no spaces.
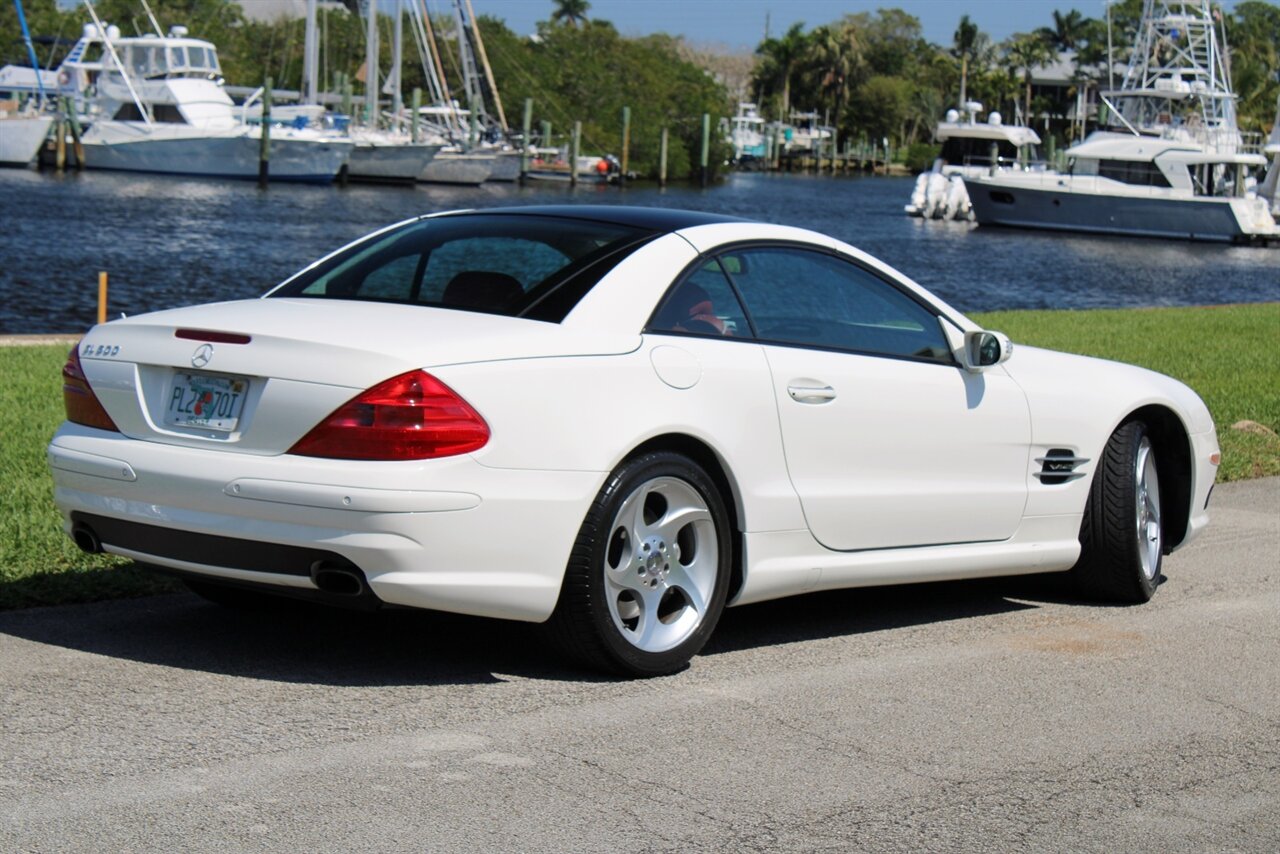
{"x":207,"y":401}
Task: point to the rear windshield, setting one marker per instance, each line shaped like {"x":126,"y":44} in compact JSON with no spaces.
{"x":519,"y":266}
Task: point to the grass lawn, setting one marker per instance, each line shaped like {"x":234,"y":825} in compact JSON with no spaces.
{"x":1227,"y":354}
{"x":39,"y":565}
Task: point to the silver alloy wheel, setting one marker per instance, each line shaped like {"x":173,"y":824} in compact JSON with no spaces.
{"x":660,"y":564}
{"x":1147,"y":494}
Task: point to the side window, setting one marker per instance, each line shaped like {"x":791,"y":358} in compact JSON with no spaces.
{"x":796,"y":296}
{"x":702,"y":303}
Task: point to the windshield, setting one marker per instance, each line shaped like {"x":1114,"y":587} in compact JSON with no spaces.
{"x":516,"y":265}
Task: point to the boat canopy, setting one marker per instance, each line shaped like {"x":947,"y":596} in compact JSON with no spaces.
{"x":1014,"y":134}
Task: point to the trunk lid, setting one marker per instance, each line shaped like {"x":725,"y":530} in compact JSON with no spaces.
{"x":302,"y":359}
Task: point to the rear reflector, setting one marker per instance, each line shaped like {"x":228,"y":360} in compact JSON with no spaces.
{"x":82,"y":405}
{"x":212,"y":337}
{"x":410,"y":417}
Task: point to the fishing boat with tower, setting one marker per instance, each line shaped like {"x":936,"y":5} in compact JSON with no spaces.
{"x":1169,"y":159}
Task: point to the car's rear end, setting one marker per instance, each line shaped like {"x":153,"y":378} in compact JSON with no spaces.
{"x":300,"y":444}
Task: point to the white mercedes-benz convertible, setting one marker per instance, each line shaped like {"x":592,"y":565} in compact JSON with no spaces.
{"x":616,"y":420}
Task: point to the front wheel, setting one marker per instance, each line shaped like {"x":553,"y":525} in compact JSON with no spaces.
{"x":1122,"y":536}
{"x":649,"y":573}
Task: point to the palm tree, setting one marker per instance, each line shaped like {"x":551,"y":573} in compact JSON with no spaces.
{"x":1027,"y":51}
{"x":780,"y":58}
{"x":1067,"y":31}
{"x":838,"y":55}
{"x":571,"y":12}
{"x":968,"y":41}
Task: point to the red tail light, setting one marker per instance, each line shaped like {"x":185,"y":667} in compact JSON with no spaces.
{"x":83,"y":406}
{"x":410,"y":417}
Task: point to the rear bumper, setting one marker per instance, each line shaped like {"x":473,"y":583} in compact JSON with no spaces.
{"x":449,"y":535}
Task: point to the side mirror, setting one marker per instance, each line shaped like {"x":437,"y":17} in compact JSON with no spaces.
{"x":983,"y":349}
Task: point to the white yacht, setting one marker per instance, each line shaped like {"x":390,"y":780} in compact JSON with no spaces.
{"x":1170,"y":162}
{"x":21,"y":136}
{"x":970,"y":148}
{"x":1270,"y":189}
{"x":24,"y":117}
{"x":158,"y":105}
{"x":747,"y":134}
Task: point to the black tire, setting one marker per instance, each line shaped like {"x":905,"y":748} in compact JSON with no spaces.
{"x":591,"y":620}
{"x":236,"y":598}
{"x":1112,"y":545}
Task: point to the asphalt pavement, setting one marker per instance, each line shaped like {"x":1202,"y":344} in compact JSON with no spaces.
{"x":991,"y":715}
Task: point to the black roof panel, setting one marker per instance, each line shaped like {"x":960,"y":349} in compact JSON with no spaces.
{"x":656,"y":219}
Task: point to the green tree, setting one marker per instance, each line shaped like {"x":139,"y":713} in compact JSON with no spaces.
{"x":570,"y":12}
{"x":1068,"y":31}
{"x":834,"y":64}
{"x":1025,"y":52}
{"x":1253,"y":32}
{"x":780,"y":58}
{"x":967,"y":44}
{"x":883,"y":107}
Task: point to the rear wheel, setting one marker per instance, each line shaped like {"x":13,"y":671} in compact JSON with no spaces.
{"x":1122,"y":537}
{"x":649,"y":573}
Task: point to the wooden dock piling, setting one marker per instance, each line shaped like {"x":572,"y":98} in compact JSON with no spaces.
{"x":415,"y":119}
{"x":59,"y":143}
{"x":574,"y":149}
{"x":264,"y":141}
{"x":77,"y":147}
{"x":706,"y":146}
{"x":626,"y":143}
{"x":662,"y":159}
{"x":102,"y":296}
{"x":526,"y":126}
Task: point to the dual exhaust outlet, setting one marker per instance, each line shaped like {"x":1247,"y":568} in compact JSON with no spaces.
{"x":332,"y":577}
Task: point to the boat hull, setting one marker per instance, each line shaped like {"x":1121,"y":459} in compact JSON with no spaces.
{"x":449,"y":168}
{"x":21,"y":138}
{"x":389,"y":164}
{"x":506,"y":166}
{"x":1018,"y":206}
{"x":213,"y":154}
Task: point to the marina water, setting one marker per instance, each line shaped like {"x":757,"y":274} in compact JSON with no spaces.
{"x":170,"y":242}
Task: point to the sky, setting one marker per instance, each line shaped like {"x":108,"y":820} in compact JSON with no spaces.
{"x":740,"y":24}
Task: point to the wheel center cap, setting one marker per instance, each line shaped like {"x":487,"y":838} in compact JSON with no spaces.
{"x":653,"y":561}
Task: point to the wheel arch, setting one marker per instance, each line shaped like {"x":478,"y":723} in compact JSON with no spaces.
{"x":1172,"y":442}
{"x":714,"y":465}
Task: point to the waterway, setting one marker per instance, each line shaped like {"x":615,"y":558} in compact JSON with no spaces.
{"x":169,"y":242}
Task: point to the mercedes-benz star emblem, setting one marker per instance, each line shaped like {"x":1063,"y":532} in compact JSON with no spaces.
{"x":202,"y":356}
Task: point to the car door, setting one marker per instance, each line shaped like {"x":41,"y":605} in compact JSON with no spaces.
{"x":888,"y":442}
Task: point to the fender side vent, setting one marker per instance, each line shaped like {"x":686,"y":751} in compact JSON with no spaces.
{"x":1059,"y":465}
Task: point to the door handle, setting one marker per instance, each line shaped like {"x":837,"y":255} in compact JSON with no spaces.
{"x":811,"y":394}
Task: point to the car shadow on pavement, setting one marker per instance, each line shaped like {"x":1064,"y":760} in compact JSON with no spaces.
{"x":865,"y":610}
{"x":302,"y":643}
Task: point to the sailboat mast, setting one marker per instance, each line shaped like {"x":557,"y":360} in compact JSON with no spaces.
{"x":397,"y":46}
{"x":488,"y":71}
{"x":470,"y":78}
{"x":310,"y":58}
{"x":31,"y":51}
{"x":435,"y":58}
{"x":371,"y":67}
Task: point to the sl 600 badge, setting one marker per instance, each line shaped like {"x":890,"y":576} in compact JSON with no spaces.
{"x":101,"y":351}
